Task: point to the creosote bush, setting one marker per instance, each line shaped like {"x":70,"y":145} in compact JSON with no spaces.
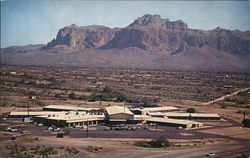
{"x":160,"y":142}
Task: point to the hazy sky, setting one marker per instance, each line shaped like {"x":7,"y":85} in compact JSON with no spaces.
{"x":38,"y":21}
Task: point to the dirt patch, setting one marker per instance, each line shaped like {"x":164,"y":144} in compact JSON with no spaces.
{"x":235,"y":132}
{"x":153,"y":129}
{"x":217,"y":123}
{"x":3,"y":133}
{"x":186,"y":134}
{"x":4,"y":124}
{"x":29,"y":139}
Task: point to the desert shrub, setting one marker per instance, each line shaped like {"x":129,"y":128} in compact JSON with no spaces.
{"x":155,"y":143}
{"x":98,"y":97}
{"x":88,"y":89}
{"x":145,"y":144}
{"x":72,"y":150}
{"x":107,"y":90}
{"x":191,"y":110}
{"x":57,"y":95}
{"x":121,"y":98}
{"x":160,"y":142}
{"x":72,"y":96}
{"x":224,"y":106}
{"x":155,"y":88}
{"x":82,"y":97}
{"x":246,"y":123}
{"x":243,"y":156}
{"x":67,"y":130}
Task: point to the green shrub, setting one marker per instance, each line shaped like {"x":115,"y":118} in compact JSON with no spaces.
{"x":145,"y":144}
{"x":160,"y":142}
{"x":246,"y":123}
{"x":155,"y":143}
{"x":72,"y":96}
{"x":191,"y":110}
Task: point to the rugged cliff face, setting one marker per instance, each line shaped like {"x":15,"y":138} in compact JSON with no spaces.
{"x":79,"y":37}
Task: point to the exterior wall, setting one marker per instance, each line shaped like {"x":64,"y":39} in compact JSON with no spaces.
{"x":121,"y":116}
{"x":168,"y":124}
{"x":194,"y":118}
{"x":90,"y":123}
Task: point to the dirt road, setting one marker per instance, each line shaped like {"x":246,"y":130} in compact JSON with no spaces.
{"x":225,"y":96}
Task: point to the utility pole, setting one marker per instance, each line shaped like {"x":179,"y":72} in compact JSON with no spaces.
{"x":87,"y":131}
{"x":124,"y":111}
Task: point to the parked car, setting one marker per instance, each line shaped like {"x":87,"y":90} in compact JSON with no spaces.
{"x":84,"y":127}
{"x":13,"y":130}
{"x":13,"y":138}
{"x":152,"y":124}
{"x":8,"y":129}
{"x":179,"y":127}
{"x":210,"y":155}
{"x":50,"y":128}
{"x":56,"y":129}
{"x":22,"y":125}
{"x":40,"y":124}
{"x":120,"y":128}
{"x":107,"y":128}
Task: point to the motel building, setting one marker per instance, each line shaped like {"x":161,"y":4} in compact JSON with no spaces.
{"x":69,"y":116}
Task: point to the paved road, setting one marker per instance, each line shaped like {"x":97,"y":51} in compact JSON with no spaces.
{"x":221,"y":151}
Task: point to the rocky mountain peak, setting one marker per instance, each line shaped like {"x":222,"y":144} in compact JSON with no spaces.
{"x":156,"y":21}
{"x":82,"y":37}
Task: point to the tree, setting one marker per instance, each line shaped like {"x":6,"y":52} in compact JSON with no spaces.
{"x":191,"y":110}
{"x":246,"y":123}
{"x":121,"y":98}
{"x":160,"y":142}
{"x":107,"y":90}
{"x":72,"y":96}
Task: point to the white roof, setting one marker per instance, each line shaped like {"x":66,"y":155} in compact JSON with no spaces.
{"x":176,"y":114}
{"x":191,"y":114}
{"x":140,"y":117}
{"x":172,"y":121}
{"x":33,"y":113}
{"x":69,"y":108}
{"x":117,"y":110}
{"x":162,"y":108}
{"x":73,"y":116}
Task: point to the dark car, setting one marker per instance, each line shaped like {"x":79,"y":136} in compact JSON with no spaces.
{"x":13,"y":138}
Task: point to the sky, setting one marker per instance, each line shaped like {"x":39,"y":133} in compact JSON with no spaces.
{"x":26,"y":22}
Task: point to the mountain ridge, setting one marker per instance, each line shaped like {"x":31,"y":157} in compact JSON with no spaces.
{"x":148,"y":38}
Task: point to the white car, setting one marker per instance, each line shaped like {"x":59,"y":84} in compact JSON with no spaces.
{"x":50,"y":129}
{"x":56,"y":129}
{"x":40,"y":124}
{"x":13,"y":130}
{"x":179,"y":127}
{"x":210,"y":154}
{"x":8,"y":129}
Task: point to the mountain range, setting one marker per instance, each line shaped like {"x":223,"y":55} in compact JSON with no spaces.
{"x":150,"y":42}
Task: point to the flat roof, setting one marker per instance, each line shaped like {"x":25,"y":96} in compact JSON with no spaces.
{"x":69,"y":108}
{"x":33,"y":113}
{"x":152,"y":109}
{"x":73,"y":116}
{"x":171,"y":121}
{"x":117,"y":110}
{"x":175,"y":114}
